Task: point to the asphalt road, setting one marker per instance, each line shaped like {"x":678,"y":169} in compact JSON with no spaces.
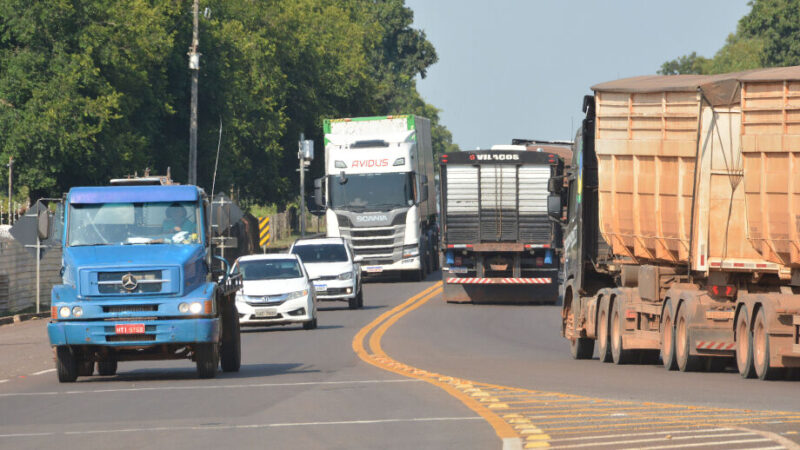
{"x":420,"y":374}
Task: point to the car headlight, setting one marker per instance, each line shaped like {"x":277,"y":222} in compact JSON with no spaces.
{"x":297,"y":294}
{"x":346,"y":276}
{"x":410,"y":250}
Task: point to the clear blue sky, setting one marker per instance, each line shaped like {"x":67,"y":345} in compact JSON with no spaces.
{"x":520,"y":68}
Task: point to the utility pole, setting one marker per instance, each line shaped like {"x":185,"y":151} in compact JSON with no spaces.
{"x":10,"y":181}
{"x":194,"y":67}
{"x":302,"y":159}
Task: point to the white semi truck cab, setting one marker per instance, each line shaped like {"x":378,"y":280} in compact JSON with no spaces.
{"x":378,"y":192}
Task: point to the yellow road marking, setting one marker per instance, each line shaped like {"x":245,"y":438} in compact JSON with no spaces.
{"x":519,"y":406}
{"x":450,"y":385}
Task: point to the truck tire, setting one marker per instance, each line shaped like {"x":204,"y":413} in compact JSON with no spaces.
{"x":686,"y":361}
{"x":761,"y":351}
{"x":579,"y":347}
{"x":85,"y":368}
{"x":66,"y":365}
{"x":206,"y":356}
{"x":603,"y":350}
{"x":668,"y":339}
{"x":618,"y":353}
{"x":231,"y":348}
{"x":744,"y":346}
{"x":107,"y":368}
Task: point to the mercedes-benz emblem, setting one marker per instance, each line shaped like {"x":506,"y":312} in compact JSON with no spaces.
{"x":129,"y":282}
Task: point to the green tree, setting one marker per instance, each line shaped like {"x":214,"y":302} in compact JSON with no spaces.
{"x":767,"y":36}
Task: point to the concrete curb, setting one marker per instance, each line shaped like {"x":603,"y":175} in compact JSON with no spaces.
{"x":16,"y":318}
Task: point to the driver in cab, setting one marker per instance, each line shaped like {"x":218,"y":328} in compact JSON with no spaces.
{"x":176,"y":220}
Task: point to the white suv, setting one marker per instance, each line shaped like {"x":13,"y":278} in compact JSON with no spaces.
{"x":330,"y":265}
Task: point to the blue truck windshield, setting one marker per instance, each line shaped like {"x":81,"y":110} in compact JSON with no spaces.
{"x":372,"y":192}
{"x":133,"y":223}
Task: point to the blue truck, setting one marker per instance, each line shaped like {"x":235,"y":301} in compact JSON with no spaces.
{"x":140,"y":281}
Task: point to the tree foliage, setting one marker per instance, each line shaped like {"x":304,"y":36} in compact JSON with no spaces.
{"x":94,"y":89}
{"x":768,"y":36}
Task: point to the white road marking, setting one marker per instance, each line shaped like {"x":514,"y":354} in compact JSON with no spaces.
{"x":658,"y":439}
{"x":246,"y":427}
{"x":211,"y":386}
{"x":42,"y":372}
{"x":612,"y":436}
{"x":512,"y":444}
{"x":705,"y":444}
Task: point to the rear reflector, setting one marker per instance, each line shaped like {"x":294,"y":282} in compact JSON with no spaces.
{"x":723,"y":290}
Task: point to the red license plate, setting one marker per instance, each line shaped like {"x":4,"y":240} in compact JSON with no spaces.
{"x":130,"y":328}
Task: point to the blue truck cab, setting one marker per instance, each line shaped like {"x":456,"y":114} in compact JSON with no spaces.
{"x":138,"y":283}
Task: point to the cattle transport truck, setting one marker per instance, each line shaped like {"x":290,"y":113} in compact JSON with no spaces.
{"x":378,"y":174}
{"x":498,"y":243}
{"x":683,"y":231}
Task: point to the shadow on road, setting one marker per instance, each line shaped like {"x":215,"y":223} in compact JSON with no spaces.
{"x":189,"y":373}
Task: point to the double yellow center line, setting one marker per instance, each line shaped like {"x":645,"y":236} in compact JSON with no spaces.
{"x":463,"y":390}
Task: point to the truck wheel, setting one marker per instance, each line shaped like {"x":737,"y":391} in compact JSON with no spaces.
{"x":686,"y":361}
{"x":602,"y":337}
{"x":618,"y":354}
{"x":744,"y":346}
{"x":107,"y":368}
{"x":66,"y":364}
{"x":579,"y":347}
{"x":206,"y":356}
{"x":231,"y":348}
{"x":761,"y":352}
{"x":85,"y":368}
{"x":668,"y":340}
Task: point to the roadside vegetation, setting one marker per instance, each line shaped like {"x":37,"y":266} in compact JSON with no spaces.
{"x":768,"y":36}
{"x":95,"y":89}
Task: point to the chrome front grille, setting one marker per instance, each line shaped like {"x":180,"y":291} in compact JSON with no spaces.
{"x":372,"y":242}
{"x":131,"y":282}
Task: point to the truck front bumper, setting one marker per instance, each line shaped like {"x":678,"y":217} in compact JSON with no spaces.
{"x":404,"y":264}
{"x":157,"y":332}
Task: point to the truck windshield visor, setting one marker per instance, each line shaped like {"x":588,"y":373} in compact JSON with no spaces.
{"x":133,"y":224}
{"x":372,"y":192}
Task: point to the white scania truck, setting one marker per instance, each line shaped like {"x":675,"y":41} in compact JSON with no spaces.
{"x":378,"y":192}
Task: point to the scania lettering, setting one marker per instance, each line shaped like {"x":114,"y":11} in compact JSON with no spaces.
{"x":378,"y":192}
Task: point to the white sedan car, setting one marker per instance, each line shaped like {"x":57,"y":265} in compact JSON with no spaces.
{"x":331,"y":267}
{"x":275,"y":291}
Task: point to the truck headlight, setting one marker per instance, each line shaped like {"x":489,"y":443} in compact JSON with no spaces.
{"x":64,"y":312}
{"x":410,"y":250}
{"x":196,"y":307}
{"x":346,"y":276}
{"x":297,"y":294}
{"x":77,"y":311}
{"x":183,"y":308}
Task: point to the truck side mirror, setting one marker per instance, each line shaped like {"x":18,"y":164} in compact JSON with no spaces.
{"x":43,"y":224}
{"x":554,"y":206}
{"x":319,"y":192}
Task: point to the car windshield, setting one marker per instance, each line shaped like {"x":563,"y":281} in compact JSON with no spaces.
{"x":133,"y":223}
{"x":372,"y":191}
{"x":320,"y":253}
{"x":270,"y":269}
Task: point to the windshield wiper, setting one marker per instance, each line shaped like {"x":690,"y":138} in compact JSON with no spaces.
{"x":91,"y":245}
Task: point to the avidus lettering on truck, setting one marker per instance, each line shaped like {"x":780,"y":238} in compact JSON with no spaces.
{"x":379,"y":193}
{"x":370,"y":163}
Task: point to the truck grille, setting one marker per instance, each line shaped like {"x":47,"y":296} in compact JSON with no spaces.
{"x":130,"y":282}
{"x":130,"y":308}
{"x":383,"y":242}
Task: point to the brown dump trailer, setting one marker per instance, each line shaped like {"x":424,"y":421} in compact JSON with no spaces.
{"x":683,"y":231}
